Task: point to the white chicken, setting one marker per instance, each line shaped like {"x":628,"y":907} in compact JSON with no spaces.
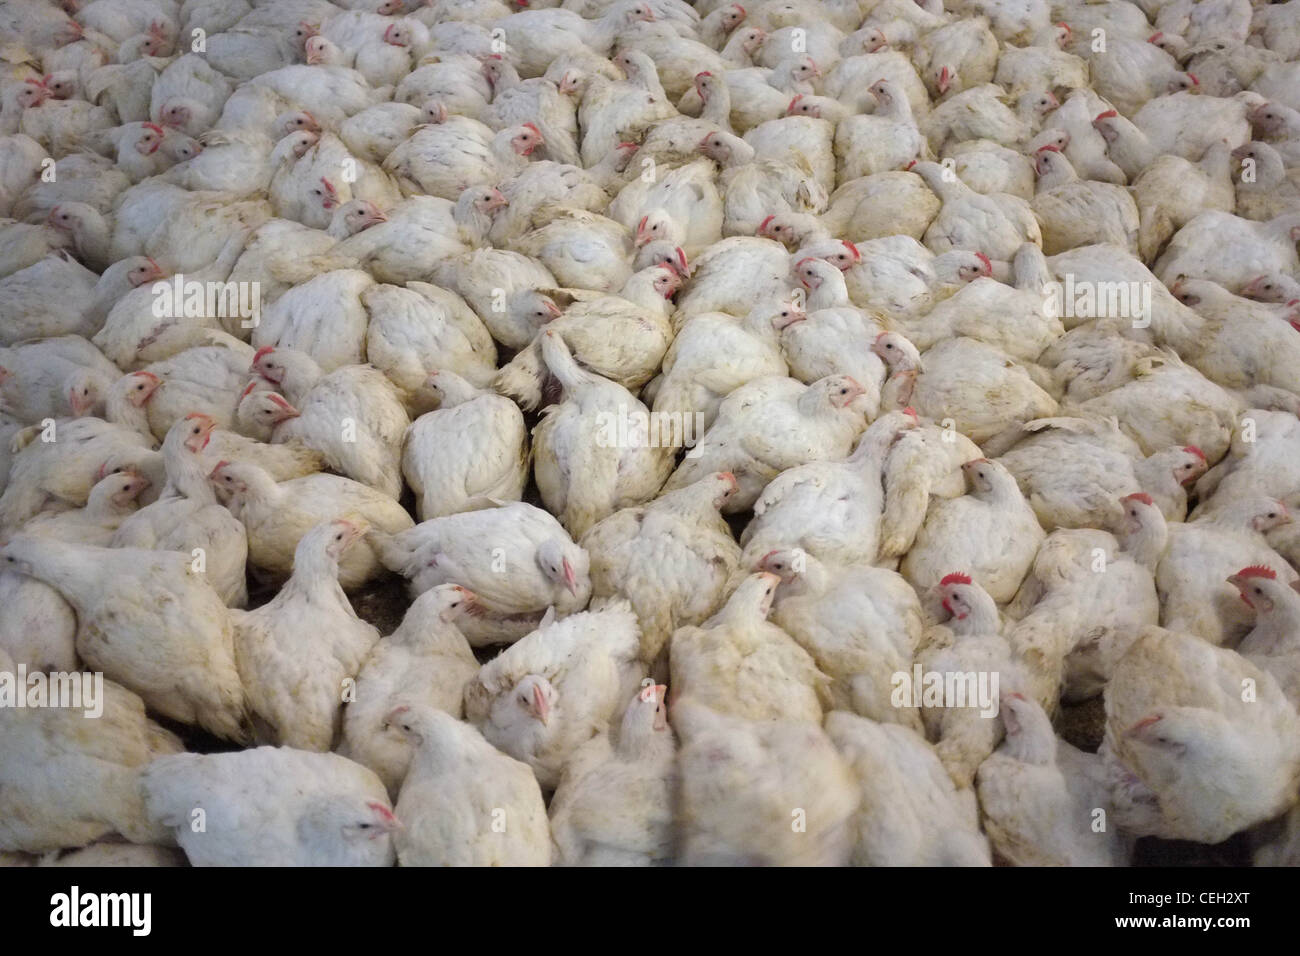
{"x":464,"y":802}
{"x":426,"y":661}
{"x":445,"y":484}
{"x":123,"y":628}
{"x":546,"y":695}
{"x":272,"y":806}
{"x":738,"y":663}
{"x":297,"y":652}
{"x":992,"y":532}
{"x":614,"y":804}
{"x":276,"y":515}
{"x":769,"y":425}
{"x":673,"y":560}
{"x":516,"y":558}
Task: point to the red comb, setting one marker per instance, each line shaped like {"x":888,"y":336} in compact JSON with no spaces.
{"x":262,"y":351}
{"x":984,"y":259}
{"x":1195,"y":81}
{"x":1106,"y":115}
{"x":534,"y":128}
{"x":1156,"y":37}
{"x":852,"y":248}
{"x":1141,"y":496}
{"x":955,"y":578}
{"x":1257,"y":571}
{"x":702,"y":73}
{"x":382,"y":810}
{"x":197,"y":415}
{"x":1052,"y":146}
{"x":763,"y":225}
{"x":910,"y":165}
{"x":805,"y":259}
{"x":247,"y":388}
{"x":1193,"y":450}
{"x":910,"y":411}
{"x":280,"y":400}
{"x":156,"y":128}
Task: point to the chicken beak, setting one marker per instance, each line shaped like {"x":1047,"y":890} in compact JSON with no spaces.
{"x":661,"y":708}
{"x":200,"y":441}
{"x":794,"y":318}
{"x":1137,"y":729}
{"x":541,"y":706}
{"x":355,"y":529}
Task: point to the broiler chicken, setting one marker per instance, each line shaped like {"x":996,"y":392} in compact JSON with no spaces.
{"x":769,"y":425}
{"x":992,"y":532}
{"x":614,"y":804}
{"x":586,"y":465}
{"x":549,"y":693}
{"x":516,"y":558}
{"x":445,"y":484}
{"x":464,"y":802}
{"x":1040,"y":796}
{"x":905,"y":794}
{"x":776,"y":768}
{"x":426,"y":661}
{"x":739,"y":664}
{"x":149,"y":619}
{"x":276,"y":515}
{"x":272,"y":806}
{"x":862,"y":625}
{"x":1175,"y":718}
{"x":68,"y":785}
{"x":297,"y":652}
{"x":672,"y":560}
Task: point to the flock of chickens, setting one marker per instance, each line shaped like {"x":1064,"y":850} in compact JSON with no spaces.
{"x":705,"y":373}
